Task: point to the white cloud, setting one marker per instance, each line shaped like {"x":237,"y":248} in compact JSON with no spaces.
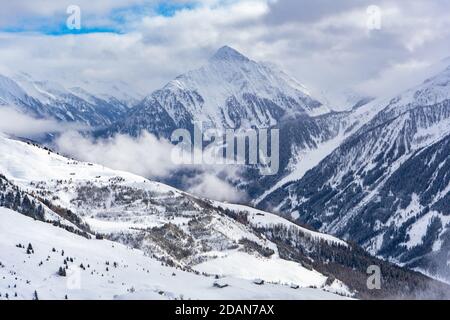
{"x":324,"y":44}
{"x":146,"y":155}
{"x":399,"y":77}
{"x":19,"y":124}
{"x":209,"y":186}
{"x":29,"y":14}
{"x":152,"y":158}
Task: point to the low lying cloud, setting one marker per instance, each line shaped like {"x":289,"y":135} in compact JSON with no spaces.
{"x":146,"y":155}
{"x":16,"y":123}
{"x":210,"y":186}
{"x":152,"y":158}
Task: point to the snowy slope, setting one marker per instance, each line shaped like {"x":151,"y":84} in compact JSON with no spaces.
{"x":111,"y":91}
{"x":343,"y":100}
{"x":260,"y":218}
{"x":306,"y":142}
{"x":56,"y":168}
{"x":386,"y":186}
{"x":432,"y":91}
{"x":147,"y":215}
{"x":110,"y":270}
{"x":183,"y":231}
{"x":11,"y":94}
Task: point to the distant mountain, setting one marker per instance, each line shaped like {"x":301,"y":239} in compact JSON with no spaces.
{"x":50,"y":99}
{"x":387,"y":186}
{"x":11,"y":94}
{"x":233,"y":91}
{"x":230,"y":91}
{"x":374,"y":172}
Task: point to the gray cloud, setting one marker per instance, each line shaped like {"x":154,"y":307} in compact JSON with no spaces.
{"x":20,"y":124}
{"x":324,"y":44}
{"x":310,"y":11}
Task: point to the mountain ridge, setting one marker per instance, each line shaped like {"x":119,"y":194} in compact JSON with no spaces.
{"x":361,"y":185}
{"x":230,"y":91}
{"x":183,"y":231}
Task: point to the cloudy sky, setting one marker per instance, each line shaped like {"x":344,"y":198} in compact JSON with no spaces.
{"x":329,"y":45}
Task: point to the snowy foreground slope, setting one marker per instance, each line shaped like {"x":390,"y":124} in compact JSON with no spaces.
{"x":169,"y":231}
{"x":125,"y":219}
{"x":110,"y":270}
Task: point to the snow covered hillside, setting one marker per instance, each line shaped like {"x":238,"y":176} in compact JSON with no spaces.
{"x":176,"y":229}
{"x":387,"y":186}
{"x":305,"y":142}
{"x":33,"y":253}
{"x":165,"y":223}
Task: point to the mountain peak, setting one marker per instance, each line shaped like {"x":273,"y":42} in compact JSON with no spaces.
{"x":227,"y":53}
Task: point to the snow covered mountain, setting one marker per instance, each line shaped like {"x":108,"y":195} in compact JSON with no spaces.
{"x":196,"y":240}
{"x":230,"y":91}
{"x":375,"y":172}
{"x":387,"y":186}
{"x":304,"y":143}
{"x":49,"y":99}
{"x":12,"y":94}
{"x":102,"y":269}
{"x":233,"y":91}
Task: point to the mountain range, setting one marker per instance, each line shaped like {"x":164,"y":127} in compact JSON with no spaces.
{"x":230,"y":91}
{"x":387,"y":185}
{"x":373,"y":172}
{"x":48,"y":99}
{"x":119,"y":235}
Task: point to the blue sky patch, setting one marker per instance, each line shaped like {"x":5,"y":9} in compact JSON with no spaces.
{"x":117,"y":21}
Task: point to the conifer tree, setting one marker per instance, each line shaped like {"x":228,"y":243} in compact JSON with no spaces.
{"x":30,"y":249}
{"x":62,"y":272}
